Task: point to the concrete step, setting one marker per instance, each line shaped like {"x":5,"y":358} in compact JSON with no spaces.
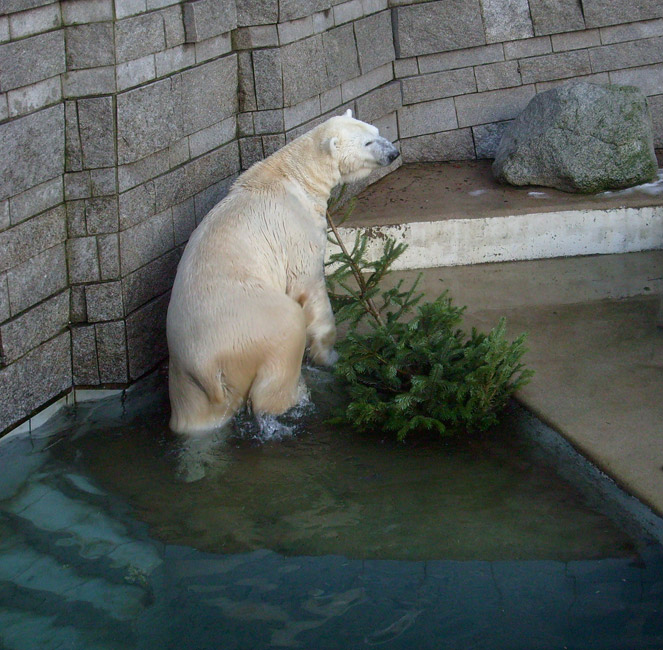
{"x":456,"y":214}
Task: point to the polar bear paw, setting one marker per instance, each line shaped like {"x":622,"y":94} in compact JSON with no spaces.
{"x":327,"y":357}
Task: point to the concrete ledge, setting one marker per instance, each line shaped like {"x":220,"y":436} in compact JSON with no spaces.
{"x":453,"y":214}
{"x":453,"y":242}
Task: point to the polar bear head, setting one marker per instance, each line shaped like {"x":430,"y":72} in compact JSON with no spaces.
{"x":356,"y":146}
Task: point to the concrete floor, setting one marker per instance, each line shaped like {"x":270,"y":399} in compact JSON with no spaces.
{"x":595,"y":347}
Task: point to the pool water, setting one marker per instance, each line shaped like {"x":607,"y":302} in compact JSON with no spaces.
{"x":115,"y":534}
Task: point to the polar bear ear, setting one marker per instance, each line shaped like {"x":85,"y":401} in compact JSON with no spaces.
{"x":348,"y":113}
{"x":330,"y":145}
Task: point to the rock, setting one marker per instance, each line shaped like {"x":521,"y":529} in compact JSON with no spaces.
{"x":580,"y":137}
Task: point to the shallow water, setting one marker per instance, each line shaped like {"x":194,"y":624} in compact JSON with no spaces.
{"x":113,"y":534}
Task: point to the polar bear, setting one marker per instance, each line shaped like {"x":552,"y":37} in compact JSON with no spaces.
{"x":249,"y":293}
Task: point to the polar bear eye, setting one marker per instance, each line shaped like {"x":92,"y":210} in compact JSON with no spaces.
{"x":369,"y":143}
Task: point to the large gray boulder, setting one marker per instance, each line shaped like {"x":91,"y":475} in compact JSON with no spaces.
{"x":580,"y":137}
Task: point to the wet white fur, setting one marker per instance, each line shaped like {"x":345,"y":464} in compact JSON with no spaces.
{"x":250,"y":292}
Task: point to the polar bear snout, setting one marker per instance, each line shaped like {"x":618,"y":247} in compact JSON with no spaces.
{"x":384,"y":152}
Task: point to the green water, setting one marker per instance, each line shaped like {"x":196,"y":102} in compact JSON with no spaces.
{"x":307,"y":536}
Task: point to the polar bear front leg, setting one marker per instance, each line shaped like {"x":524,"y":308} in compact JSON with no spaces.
{"x":320,"y":326}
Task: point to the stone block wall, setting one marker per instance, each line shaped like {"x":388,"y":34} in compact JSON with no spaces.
{"x":122,"y":122}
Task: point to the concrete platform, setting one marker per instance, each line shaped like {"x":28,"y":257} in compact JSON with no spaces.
{"x":594,"y":345}
{"x":591,"y":320}
{"x":455,"y":213}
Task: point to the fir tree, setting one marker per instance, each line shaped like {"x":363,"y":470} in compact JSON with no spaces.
{"x":408,"y":365}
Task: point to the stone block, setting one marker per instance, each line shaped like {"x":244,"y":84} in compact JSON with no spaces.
{"x":34,"y":327}
{"x":599,"y":13}
{"x":77,"y":185}
{"x":146,"y":241}
{"x":40,"y":277}
{"x":101,"y":215}
{"x":505,"y":74}
{"x":184,"y":222}
{"x":656,"y":108}
{"x":212,"y":48}
{"x":293,"y":9}
{"x":556,"y":16}
{"x":174,"y":59}
{"x":124,"y":8}
{"x":268,"y":122}
{"x":108,"y":249}
{"x":31,"y":98}
{"x":451,"y":145}
{"x":146,"y":336}
{"x":31,"y":150}
{"x":35,"y":21}
{"x":4,"y":29}
{"x":147,"y":120}
{"x":506,"y":20}
{"x":4,"y":107}
{"x":206,"y":18}
{"x":406,"y":67}
{"x":437,"y":85}
{"x":487,"y":138}
{"x":304,"y":70}
{"x":4,"y":299}
{"x":150,"y":281}
{"x":461,"y":58}
{"x":76,"y":219}
{"x":529,"y":47}
{"x":111,"y":352}
{"x":93,"y":81}
{"x":173,"y":24}
{"x":139,"y":36}
{"x":272,"y":143}
{"x":307,"y":110}
{"x":83,"y":261}
{"x":4,"y":215}
{"x":250,"y":151}
{"x":181,"y":183}
{"x":135,"y":72}
{"x":90,"y":46}
{"x":257,"y":12}
{"x":73,"y":152}
{"x":132,"y":174}
{"x":212,"y":137}
{"x":30,"y":237}
{"x":36,"y":200}
{"x":84,"y":356}
{"x":137,"y":204}
{"x":77,"y":307}
{"x":379,"y":102}
{"x":375,"y":41}
{"x":31,"y":59}
{"x":348,"y":11}
{"x":330,"y":99}
{"x":576,"y":40}
{"x":631,"y":31}
{"x":12,"y":6}
{"x":97,"y":131}
{"x":355,"y":87}
{"x":209,"y":94}
{"x":246,"y":91}
{"x":323,"y":21}
{"x":104,"y":301}
{"x":268,"y":78}
{"x":39,"y":376}
{"x":340,"y":54}
{"x":555,"y":66}
{"x":427,"y":117}
{"x":103,"y":181}
{"x":648,"y":78}
{"x":204,"y":201}
{"x":492,"y":106}
{"x":294,"y":30}
{"x":438,"y":26}
{"x":630,"y":54}
{"x":388,"y":126}
{"x":80,"y":12}
{"x":178,"y":152}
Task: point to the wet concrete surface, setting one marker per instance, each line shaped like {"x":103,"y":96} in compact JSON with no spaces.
{"x":594,"y":344}
{"x":439,"y":191}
